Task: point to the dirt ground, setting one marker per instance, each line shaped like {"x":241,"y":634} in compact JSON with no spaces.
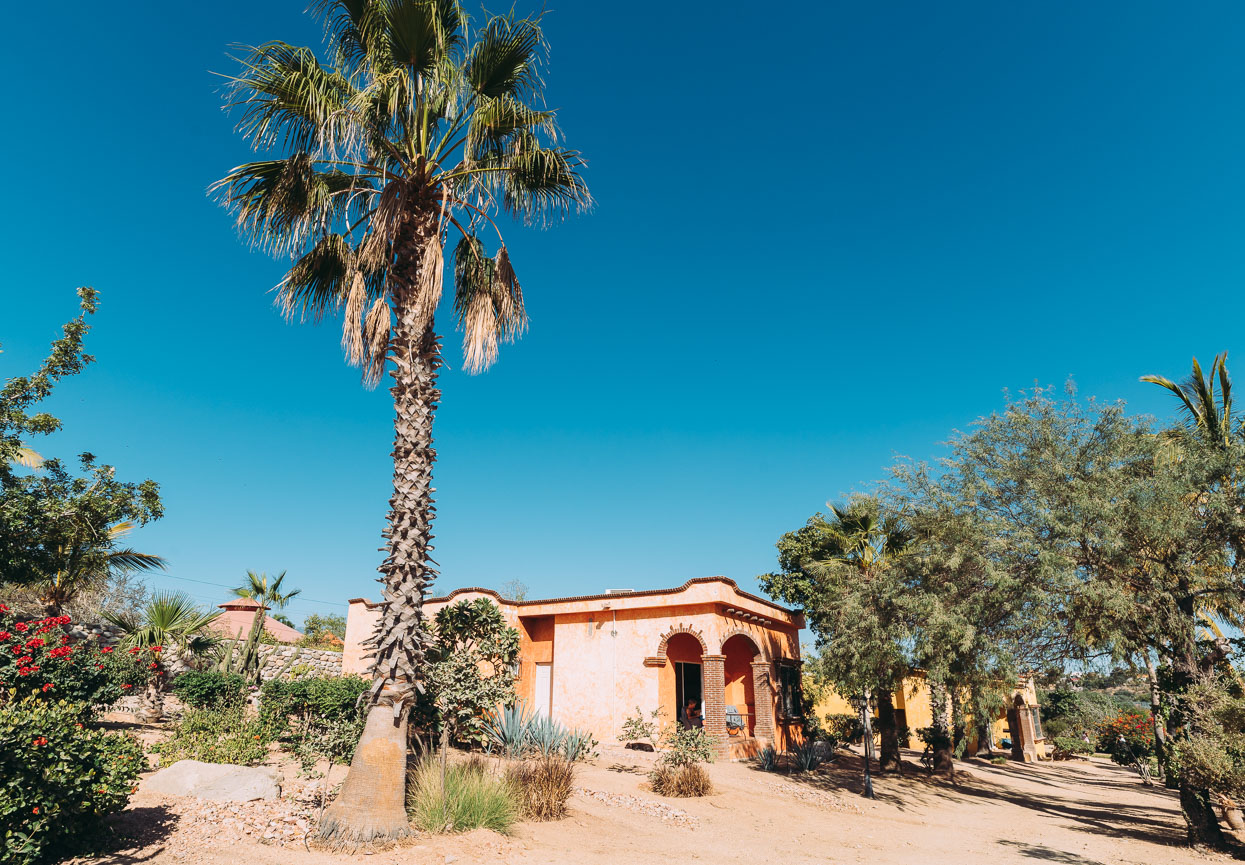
{"x":1072,"y":813}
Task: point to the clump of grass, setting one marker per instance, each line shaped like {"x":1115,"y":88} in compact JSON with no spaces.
{"x":684,"y":781}
{"x":543,"y":785}
{"x":474,"y":797}
{"x":999,"y":761}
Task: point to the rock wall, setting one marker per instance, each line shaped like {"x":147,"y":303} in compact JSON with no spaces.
{"x":291,"y":662}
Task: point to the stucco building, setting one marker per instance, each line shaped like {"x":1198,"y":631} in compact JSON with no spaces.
{"x":589,"y":661}
{"x":238,"y":615}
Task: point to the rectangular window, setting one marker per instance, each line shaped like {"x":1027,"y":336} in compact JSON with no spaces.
{"x":790,"y":700}
{"x":1037,"y":723}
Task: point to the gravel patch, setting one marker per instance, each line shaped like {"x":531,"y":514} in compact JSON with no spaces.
{"x":642,"y":806}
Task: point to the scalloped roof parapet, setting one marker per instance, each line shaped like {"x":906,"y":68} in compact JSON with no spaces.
{"x":793,"y":617}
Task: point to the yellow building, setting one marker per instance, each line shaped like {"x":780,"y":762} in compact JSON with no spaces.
{"x":1020,"y":722}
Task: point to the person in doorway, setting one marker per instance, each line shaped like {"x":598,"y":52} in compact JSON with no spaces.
{"x":691,"y":715}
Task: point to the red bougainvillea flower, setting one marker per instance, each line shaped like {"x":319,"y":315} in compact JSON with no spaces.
{"x":23,"y":671}
{"x":64,"y":620}
{"x":127,"y":687}
{"x":21,"y":627}
{"x":16,"y":650}
{"x":35,"y":642}
{"x":157,"y":649}
{"x":153,"y":665}
{"x":135,"y":650}
{"x":106,"y":650}
{"x":25,"y":659}
{"x":3,"y":608}
{"x":4,"y":635}
{"x":34,"y":810}
{"x":40,"y":741}
{"x":47,"y":687}
{"x":65,"y":640}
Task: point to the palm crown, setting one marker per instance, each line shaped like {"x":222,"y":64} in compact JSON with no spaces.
{"x":416,"y":125}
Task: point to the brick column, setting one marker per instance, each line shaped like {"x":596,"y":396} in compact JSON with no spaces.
{"x":714,"y":670}
{"x":763,"y":701}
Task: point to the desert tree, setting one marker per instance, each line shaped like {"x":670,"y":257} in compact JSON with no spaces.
{"x":414,"y":127}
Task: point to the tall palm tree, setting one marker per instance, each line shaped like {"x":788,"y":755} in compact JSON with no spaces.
{"x":89,"y":560}
{"x":259,"y":587}
{"x":411,"y":128}
{"x":1206,"y":413}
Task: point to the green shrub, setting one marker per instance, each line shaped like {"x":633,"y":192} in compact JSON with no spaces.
{"x":934,"y":737}
{"x":38,"y":659}
{"x":226,"y":734}
{"x":845,"y":729}
{"x":58,"y":778}
{"x":1068,"y":745}
{"x":207,"y":689}
{"x":473,"y":798}
{"x":684,"y":781}
{"x":687,"y":745}
{"x":767,"y":759}
{"x":543,"y":786}
{"x":323,"y":698}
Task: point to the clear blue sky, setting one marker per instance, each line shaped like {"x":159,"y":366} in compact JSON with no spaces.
{"x":828,"y":233}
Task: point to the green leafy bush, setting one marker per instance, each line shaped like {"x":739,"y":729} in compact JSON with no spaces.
{"x":58,"y":777}
{"x":1066,"y":746}
{"x":324,"y":698}
{"x":38,"y":659}
{"x":206,"y":689}
{"x":474,"y":797}
{"x":934,"y":737}
{"x":1136,"y":732}
{"x":686,"y":745}
{"x":641,"y":729}
{"x":845,"y":729}
{"x":543,"y":785}
{"x":226,"y":734}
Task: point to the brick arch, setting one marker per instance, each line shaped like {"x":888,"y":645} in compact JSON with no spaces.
{"x":681,"y":629}
{"x":740,"y":632}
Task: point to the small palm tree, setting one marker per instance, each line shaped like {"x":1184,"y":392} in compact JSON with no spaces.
{"x":414,"y":126}
{"x":266,"y":591}
{"x":173,"y":621}
{"x":91,"y":561}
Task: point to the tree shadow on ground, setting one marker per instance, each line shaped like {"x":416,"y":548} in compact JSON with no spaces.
{"x":1048,"y":854}
{"x":1058,"y":791}
{"x":137,"y":835}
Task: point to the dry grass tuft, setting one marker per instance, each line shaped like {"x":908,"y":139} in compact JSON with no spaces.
{"x":544,"y":785}
{"x":682,"y":782}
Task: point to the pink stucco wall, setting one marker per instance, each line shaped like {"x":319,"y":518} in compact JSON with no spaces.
{"x":608,"y":651}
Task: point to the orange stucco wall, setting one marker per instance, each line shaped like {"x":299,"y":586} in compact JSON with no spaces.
{"x":613,"y":653}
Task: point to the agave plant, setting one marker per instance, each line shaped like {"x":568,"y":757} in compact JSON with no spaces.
{"x":807,"y":756}
{"x":546,"y":736}
{"x":579,"y":745}
{"x":767,"y":759}
{"x":509,"y":728}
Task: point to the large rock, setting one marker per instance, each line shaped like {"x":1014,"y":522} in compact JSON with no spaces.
{"x":216,"y":781}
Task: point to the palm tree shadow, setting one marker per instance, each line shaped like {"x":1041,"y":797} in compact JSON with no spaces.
{"x":138,"y":835}
{"x":1048,"y":854}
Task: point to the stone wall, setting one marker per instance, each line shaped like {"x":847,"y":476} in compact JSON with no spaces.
{"x":305,"y":662}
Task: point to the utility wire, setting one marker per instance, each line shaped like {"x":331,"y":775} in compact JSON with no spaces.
{"x":225,"y":586}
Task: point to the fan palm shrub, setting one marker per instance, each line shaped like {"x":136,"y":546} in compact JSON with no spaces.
{"x":171,"y":622}
{"x":411,"y":128}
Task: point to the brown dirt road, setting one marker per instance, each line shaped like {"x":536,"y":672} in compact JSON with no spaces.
{"x":1068,"y":813}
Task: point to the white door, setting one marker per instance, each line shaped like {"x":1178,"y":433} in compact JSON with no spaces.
{"x":544,"y":689}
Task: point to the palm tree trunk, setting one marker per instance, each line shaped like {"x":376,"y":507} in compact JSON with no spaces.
{"x":888,"y":759}
{"x":371,"y":806}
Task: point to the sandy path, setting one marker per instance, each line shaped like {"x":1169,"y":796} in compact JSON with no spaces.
{"x":1069,"y":813}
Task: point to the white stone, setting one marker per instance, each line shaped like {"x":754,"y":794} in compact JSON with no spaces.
{"x":216,"y":782}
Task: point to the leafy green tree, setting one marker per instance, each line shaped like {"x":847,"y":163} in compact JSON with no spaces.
{"x":61,"y":532}
{"x":317,"y":624}
{"x":844,"y":573}
{"x":412,"y":126}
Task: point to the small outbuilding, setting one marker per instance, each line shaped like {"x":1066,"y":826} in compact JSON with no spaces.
{"x":589,"y":661}
{"x":235,"y":622}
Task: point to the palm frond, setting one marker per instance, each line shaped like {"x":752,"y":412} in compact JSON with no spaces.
{"x":543,"y":184}
{"x":288,"y":99}
{"x":280,"y":203}
{"x":132,"y":560}
{"x":420,"y":33}
{"x":28,"y":458}
{"x":487,"y":300}
{"x":505,"y":57}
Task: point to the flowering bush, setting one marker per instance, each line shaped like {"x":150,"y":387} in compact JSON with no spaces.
{"x":225,"y":734}
{"x":38,"y":659}
{"x":58,"y":777}
{"x":1135,"y":729}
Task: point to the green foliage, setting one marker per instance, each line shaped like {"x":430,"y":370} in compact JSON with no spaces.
{"x":643,"y":728}
{"x":37,"y":659}
{"x":170,"y":619}
{"x":1073,"y":713}
{"x":1072,"y":745}
{"x":935,"y":737}
{"x":1127,"y":736}
{"x":845,"y":729}
{"x":516,"y":732}
{"x":321,"y":718}
{"x":544,"y":785}
{"x":469,"y":669}
{"x":807,"y":756}
{"x":226,"y":734}
{"x":209,"y":689}
{"x":767,"y":759}
{"x":332,"y":623}
{"x":1212,"y":754}
{"x":683,"y":746}
{"x":54,"y":526}
{"x":509,"y":728}
{"x":473,"y":798}
{"x":58,"y":778}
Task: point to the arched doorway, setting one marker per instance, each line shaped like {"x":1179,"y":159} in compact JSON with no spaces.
{"x":740,"y":652}
{"x":682,"y":678}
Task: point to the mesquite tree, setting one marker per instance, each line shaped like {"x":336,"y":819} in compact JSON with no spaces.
{"x":415,"y":125}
